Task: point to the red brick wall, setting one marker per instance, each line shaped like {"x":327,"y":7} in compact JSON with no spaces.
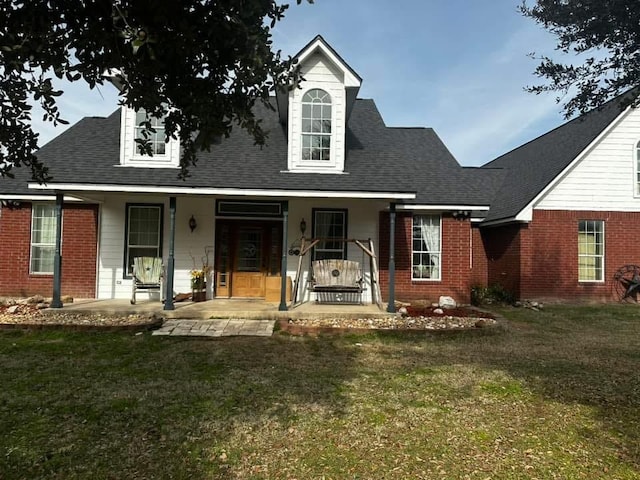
{"x":540,"y":260}
{"x":502,"y":246}
{"x":479,"y":264}
{"x":456,"y":275}
{"x":79,"y":250}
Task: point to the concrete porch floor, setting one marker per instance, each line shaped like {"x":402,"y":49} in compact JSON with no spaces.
{"x":221,"y":308}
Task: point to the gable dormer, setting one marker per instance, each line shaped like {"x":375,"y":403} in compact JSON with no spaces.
{"x":316,"y":111}
{"x":165,"y":154}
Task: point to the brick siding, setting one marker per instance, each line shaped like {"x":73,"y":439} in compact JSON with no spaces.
{"x":457,"y":274}
{"x":79,"y":250}
{"x":539,"y":260}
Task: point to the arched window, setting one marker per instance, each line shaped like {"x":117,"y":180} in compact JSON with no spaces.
{"x":316,"y":125}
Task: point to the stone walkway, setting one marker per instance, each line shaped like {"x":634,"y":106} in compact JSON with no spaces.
{"x":216,"y":328}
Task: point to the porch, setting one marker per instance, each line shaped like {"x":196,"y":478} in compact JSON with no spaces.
{"x":251,"y":309}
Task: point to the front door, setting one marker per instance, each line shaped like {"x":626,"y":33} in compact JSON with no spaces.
{"x":247,"y":252}
{"x":249,"y":270}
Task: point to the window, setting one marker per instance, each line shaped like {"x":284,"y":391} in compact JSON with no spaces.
{"x":331,"y":225}
{"x":156,"y":139}
{"x":144,"y":233}
{"x":43,"y":238}
{"x":590,"y":251}
{"x":316,"y":126}
{"x":426,"y":251}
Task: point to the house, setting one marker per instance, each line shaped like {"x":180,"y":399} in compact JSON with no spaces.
{"x":331,"y":170}
{"x":552,"y":219}
{"x":567,"y":215}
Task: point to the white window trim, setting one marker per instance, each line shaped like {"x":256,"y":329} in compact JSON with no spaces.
{"x":345,"y":223}
{"x":127,"y":244}
{"x":602,"y":255}
{"x":304,"y":134}
{"x":130,"y":156}
{"x":32,"y":244}
{"x":439,"y":253}
{"x":331,"y":166}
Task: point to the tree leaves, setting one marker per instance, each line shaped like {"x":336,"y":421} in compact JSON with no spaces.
{"x":201,"y":63}
{"x":605,"y":34}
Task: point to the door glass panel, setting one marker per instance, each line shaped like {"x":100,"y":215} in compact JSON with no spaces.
{"x":249,"y":250}
{"x":223,"y":257}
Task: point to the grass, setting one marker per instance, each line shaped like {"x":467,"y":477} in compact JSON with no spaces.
{"x":550,"y":395}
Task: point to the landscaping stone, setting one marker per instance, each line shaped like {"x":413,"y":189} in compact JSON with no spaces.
{"x":447,"y":302}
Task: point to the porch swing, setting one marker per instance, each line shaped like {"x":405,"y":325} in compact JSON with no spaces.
{"x":338,"y":281}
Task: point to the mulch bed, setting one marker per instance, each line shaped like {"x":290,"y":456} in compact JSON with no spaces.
{"x":417,"y":319}
{"x":31,"y":317}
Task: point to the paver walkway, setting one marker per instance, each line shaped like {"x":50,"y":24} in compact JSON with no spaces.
{"x":216,"y":328}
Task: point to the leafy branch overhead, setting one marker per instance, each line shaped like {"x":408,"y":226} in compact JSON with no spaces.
{"x":201,"y":64}
{"x":605,"y":36}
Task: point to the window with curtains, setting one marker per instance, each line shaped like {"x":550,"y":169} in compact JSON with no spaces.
{"x":43,"y":238}
{"x":331,"y":226}
{"x":426,"y":247}
{"x":591,"y":251}
{"x":144,"y":233}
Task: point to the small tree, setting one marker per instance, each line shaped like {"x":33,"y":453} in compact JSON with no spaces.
{"x":201,"y":64}
{"x":606,"y":33}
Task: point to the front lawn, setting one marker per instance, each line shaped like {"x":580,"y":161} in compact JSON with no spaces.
{"x":552,"y":394}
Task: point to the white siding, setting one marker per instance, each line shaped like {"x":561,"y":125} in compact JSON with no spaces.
{"x":605,"y":179}
{"x":362,"y":217}
{"x":129,"y":155}
{"x":320,"y":73}
{"x":111,"y":283}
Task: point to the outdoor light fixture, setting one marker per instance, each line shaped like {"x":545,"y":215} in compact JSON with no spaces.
{"x":192,"y":223}
{"x":461,"y":214}
{"x":303,"y":226}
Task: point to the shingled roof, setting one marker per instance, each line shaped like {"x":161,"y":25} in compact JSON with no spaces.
{"x":379,"y":159}
{"x":534,"y":165}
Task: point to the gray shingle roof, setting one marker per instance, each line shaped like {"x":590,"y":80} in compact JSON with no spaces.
{"x":534,"y":165}
{"x":379,"y":159}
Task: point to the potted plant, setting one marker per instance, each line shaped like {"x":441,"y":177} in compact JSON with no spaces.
{"x":199,"y":279}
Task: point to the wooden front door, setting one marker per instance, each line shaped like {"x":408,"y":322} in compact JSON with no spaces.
{"x":247,"y":252}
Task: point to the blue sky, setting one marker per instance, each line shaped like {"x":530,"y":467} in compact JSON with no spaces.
{"x":458,"y":66}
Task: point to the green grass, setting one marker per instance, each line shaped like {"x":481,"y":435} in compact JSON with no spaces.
{"x":549,"y":395}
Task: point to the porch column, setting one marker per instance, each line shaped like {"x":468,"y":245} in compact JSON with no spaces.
{"x":391,"y":307}
{"x":283,"y":267}
{"x":56,"y":301}
{"x":168,"y":296}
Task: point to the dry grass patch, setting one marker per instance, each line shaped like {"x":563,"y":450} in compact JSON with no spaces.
{"x":550,"y":395}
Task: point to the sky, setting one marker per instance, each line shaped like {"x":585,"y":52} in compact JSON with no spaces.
{"x":457,"y":66}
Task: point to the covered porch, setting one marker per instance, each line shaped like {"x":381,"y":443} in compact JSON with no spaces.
{"x":222,"y":308}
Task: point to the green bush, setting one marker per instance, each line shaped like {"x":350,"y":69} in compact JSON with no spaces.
{"x":496,"y":293}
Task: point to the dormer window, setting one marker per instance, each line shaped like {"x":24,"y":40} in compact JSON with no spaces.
{"x":316,"y":126}
{"x":155,"y":139}
{"x":164,"y":154}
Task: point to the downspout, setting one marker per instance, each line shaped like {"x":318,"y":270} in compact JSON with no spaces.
{"x":168,"y":296}
{"x":56,"y":301}
{"x":391,"y":306}
{"x":283,"y":267}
